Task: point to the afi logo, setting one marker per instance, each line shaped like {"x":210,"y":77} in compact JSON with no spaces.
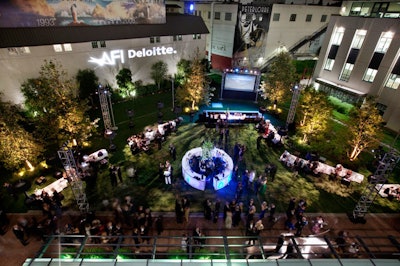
{"x":108,"y":59}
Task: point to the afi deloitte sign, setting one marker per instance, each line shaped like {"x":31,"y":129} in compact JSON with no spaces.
{"x":110,"y":58}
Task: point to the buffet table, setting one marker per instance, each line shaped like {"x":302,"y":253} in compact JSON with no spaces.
{"x":57,"y":185}
{"x":198,"y":178}
{"x":289,"y":160}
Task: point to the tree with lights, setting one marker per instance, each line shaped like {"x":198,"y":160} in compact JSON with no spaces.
{"x":195,"y":89}
{"x":125,"y":84}
{"x":278,"y":80}
{"x":315,"y":111}
{"x":17,"y":145}
{"x":365,"y":127}
{"x":58,"y":113}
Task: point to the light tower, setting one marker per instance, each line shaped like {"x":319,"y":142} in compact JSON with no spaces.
{"x":293,"y":105}
{"x":106,"y":107}
{"x":74,"y":178}
{"x":383,"y":170}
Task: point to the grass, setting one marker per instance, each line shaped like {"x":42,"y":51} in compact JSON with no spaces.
{"x":146,"y":188}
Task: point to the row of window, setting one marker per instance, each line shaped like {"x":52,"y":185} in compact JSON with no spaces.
{"x":275,"y":17}
{"x":175,"y":38}
{"x":381,"y":48}
{"x":67,"y":47}
{"x":217,"y":15}
{"x":293,"y":17}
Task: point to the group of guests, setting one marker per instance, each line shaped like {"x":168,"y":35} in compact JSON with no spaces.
{"x":392,"y":192}
{"x":310,"y":165}
{"x":269,"y":134}
{"x":295,"y":216}
{"x":142,"y":142}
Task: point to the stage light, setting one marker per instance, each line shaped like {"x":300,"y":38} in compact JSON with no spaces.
{"x":191,"y":7}
{"x":236,"y":70}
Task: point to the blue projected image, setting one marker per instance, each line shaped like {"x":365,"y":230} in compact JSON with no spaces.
{"x":240,"y":82}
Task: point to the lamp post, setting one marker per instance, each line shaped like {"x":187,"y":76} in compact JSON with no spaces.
{"x":110,"y":134}
{"x":173,"y":92}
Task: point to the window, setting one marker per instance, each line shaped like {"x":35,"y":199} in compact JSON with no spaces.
{"x":228,"y":16}
{"x":381,"y":108}
{"x":95,"y":45}
{"x":194,"y":36}
{"x":57,"y":48}
{"x":103,"y":44}
{"x":384,"y":42}
{"x":393,"y":81}
{"x":19,"y":50}
{"x":358,"y":39}
{"x":338,"y":36}
{"x":67,"y":47}
{"x":323,"y":18}
{"x":198,"y":36}
{"x":346,"y":72}
{"x":177,"y":38}
{"x":155,"y":39}
{"x":370,"y":74}
{"x":276,"y":17}
{"x":217,"y":15}
{"x":308,"y":18}
{"x":292,"y":17}
{"x":199,"y":13}
{"x":329,"y":64}
{"x":209,"y":15}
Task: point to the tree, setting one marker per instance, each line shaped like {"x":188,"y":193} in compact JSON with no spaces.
{"x":279,"y":79}
{"x":58,"y":113}
{"x":17,"y":145}
{"x":315,"y":111}
{"x":125,"y":84}
{"x":88,"y":83}
{"x":183,"y":70}
{"x":195,"y":90}
{"x":159,"y":72}
{"x":365,"y":127}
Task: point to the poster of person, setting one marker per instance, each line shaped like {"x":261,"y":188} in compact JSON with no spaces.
{"x":251,"y":33}
{"x":51,"y":13}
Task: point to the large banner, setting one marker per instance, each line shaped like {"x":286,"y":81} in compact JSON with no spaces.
{"x":50,"y":13}
{"x":251,"y":32}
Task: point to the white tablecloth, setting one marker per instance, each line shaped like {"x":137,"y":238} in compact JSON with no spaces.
{"x":57,"y":185}
{"x":325,"y":168}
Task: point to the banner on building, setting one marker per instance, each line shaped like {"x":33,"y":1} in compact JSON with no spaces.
{"x":251,"y":32}
{"x":51,"y":13}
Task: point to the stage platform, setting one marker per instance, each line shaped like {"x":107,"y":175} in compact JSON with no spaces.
{"x":241,"y":112}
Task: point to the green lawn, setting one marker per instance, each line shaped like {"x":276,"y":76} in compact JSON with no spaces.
{"x":146,"y":188}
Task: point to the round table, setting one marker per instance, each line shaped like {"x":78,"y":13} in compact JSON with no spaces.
{"x":197,"y":178}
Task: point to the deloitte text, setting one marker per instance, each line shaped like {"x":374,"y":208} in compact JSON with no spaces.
{"x":110,"y":58}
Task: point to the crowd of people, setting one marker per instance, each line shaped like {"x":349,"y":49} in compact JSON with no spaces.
{"x":158,"y":134}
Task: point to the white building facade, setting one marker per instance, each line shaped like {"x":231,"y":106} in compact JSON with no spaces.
{"x":21,"y":60}
{"x":249,"y":34}
{"x":361,"y":57}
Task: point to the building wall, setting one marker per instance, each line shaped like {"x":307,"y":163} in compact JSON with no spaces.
{"x":222,"y":31}
{"x":280,"y":34}
{"x":18,"y":68}
{"x":375,"y":27}
{"x":285,"y":33}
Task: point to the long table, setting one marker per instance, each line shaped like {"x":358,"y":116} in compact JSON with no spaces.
{"x":324,"y":168}
{"x":197,"y":180}
{"x":57,"y":185}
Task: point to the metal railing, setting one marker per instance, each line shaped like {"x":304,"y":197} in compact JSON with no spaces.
{"x":217,"y":247}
